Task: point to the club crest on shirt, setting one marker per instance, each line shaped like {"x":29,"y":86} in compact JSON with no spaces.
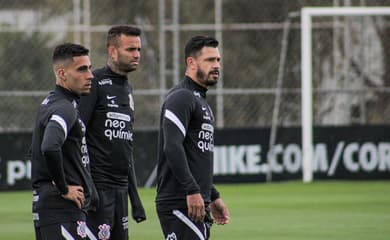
{"x":104,"y":232}
{"x":81,"y":229}
{"x":171,"y":236}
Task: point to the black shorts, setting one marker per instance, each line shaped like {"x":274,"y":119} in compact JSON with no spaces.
{"x":57,"y":218}
{"x":50,"y":207}
{"x":110,"y":220}
{"x":176,"y":224}
{"x":60,"y":231}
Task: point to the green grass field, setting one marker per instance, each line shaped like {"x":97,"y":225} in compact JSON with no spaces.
{"x":277,"y":211}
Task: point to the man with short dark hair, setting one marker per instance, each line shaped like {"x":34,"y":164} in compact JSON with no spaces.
{"x":108,"y":113}
{"x":185,"y":190}
{"x":63,"y":190}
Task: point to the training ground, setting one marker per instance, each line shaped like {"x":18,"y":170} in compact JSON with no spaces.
{"x":331,"y":210}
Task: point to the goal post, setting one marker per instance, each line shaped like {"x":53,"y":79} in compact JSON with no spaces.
{"x":307,"y":13}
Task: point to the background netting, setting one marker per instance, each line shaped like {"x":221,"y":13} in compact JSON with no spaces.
{"x":351,"y":70}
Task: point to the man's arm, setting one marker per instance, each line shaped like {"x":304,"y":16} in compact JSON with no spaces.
{"x":176,"y":157}
{"x":53,"y":138}
{"x":176,"y":117}
{"x":137,"y":209}
{"x":177,"y":161}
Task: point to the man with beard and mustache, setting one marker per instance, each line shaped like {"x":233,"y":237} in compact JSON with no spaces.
{"x":108,"y":113}
{"x":185,"y":190}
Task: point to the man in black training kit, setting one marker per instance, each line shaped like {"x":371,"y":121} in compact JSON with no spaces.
{"x":63,"y":190}
{"x":185,"y":190}
{"x":108,"y":113}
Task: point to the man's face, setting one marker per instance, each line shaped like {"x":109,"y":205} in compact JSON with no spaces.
{"x":208,"y":67}
{"x":127,"y":54}
{"x":78,"y":75}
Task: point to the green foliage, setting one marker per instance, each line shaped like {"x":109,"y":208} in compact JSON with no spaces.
{"x":277,"y":211}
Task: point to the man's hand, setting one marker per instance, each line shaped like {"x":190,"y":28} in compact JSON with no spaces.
{"x":75,"y":194}
{"x":220,"y":212}
{"x":196,"y":209}
{"x":138,"y":213}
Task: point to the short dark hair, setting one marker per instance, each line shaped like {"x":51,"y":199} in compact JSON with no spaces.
{"x":195,"y":45}
{"x":115,"y":31}
{"x":67,"y":51}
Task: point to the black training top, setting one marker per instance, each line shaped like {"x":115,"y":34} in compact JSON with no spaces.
{"x":59,"y":152}
{"x":108,"y":113}
{"x":186,"y":144}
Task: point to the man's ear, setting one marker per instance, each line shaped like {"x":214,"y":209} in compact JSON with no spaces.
{"x":111,"y":51}
{"x":191,"y":62}
{"x":61,"y":74}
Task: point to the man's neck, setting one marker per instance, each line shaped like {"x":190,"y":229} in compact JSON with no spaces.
{"x":193,"y":77}
{"x":67,"y":90}
{"x":115,"y":69}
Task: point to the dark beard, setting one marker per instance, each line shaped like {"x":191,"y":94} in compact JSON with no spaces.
{"x":204,"y":78}
{"x":126,"y":68}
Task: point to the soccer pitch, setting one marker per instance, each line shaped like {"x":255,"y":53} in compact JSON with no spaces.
{"x":277,"y":211}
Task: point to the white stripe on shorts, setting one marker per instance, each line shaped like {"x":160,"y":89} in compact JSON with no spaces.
{"x":66,"y":234}
{"x":89,"y":233}
{"x":189,"y":223}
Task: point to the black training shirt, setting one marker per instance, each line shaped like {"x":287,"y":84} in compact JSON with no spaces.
{"x":108,"y":113}
{"x":186,"y":145}
{"x":59,"y":152}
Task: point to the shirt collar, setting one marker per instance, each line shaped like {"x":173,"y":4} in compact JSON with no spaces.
{"x":67,"y":93}
{"x":114,"y":74}
{"x":195,"y":86}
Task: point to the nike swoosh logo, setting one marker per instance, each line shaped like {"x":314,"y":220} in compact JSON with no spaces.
{"x":110,"y":97}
